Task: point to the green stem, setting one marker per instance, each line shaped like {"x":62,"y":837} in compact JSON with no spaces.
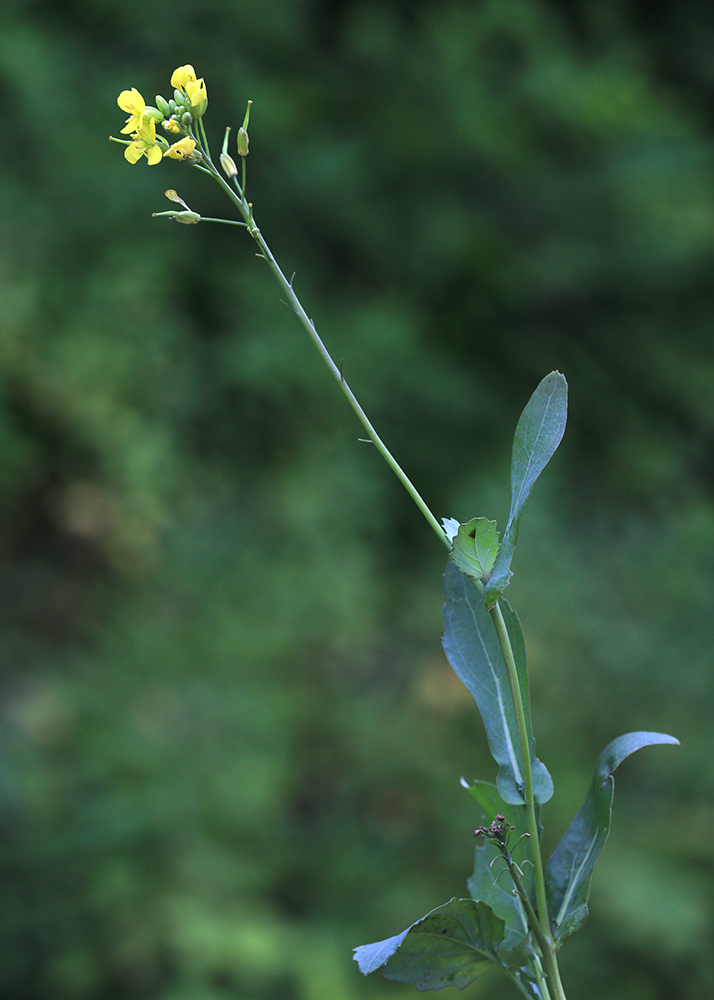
{"x":246,"y":210}
{"x":539,"y":921}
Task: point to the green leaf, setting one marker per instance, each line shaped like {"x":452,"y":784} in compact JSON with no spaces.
{"x":473,"y":650}
{"x":538,"y":434}
{"x":570,"y":869}
{"x":451,"y":946}
{"x":488,"y":884}
{"x":476,"y":546}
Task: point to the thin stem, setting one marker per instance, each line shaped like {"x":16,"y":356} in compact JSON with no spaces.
{"x":539,"y":921}
{"x":204,"y":139}
{"x":226,"y":222}
{"x":542,"y":983}
{"x":246,"y":210}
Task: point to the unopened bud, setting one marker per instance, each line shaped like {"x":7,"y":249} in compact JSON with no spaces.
{"x":229,"y":165}
{"x":242,"y":142}
{"x":153,"y":113}
{"x":188,"y":218}
{"x":186,"y":118}
{"x":163,"y":106}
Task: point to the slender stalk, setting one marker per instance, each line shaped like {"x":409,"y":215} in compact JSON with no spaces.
{"x":538,"y":921}
{"x":246,"y":210}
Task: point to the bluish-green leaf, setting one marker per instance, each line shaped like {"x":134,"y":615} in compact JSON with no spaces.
{"x":450,"y":946}
{"x":570,"y":869}
{"x":538,"y":434}
{"x":490,"y":883}
{"x":473,"y":650}
{"x":475,"y":548}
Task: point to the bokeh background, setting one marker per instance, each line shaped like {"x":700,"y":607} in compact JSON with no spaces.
{"x":231,"y":745}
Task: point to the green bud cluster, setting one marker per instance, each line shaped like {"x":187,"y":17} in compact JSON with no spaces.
{"x":163,"y":106}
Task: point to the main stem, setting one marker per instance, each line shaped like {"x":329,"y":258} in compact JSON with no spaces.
{"x":539,"y":921}
{"x":246,"y":210}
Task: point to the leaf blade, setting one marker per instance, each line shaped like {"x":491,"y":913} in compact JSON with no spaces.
{"x":475,"y":548}
{"x":539,"y":431}
{"x":569,"y":871}
{"x":473,"y":650}
{"x":451,"y":946}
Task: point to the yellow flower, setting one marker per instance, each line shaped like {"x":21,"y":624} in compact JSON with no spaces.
{"x":182,"y":76}
{"x":197,"y":92}
{"x":184,"y":79}
{"x":133,"y":102}
{"x":144,"y":144}
{"x":181,"y":150}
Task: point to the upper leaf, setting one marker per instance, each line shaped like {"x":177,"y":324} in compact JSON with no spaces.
{"x":473,"y":650}
{"x":539,"y":432}
{"x":569,"y":872}
{"x":450,"y":946}
{"x":476,"y":547}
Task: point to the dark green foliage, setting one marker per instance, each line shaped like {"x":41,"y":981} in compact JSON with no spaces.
{"x":230,"y":742}
{"x":472,"y":648}
{"x":539,"y":432}
{"x":451,"y":946}
{"x":570,"y":869}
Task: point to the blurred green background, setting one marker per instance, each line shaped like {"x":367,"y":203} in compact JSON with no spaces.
{"x":231,"y":745}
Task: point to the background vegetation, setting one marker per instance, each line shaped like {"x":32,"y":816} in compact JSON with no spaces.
{"x":231,"y":744}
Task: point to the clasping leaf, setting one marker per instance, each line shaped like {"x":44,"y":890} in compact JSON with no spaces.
{"x":474,"y":652}
{"x":570,"y":870}
{"x":538,"y":434}
{"x":476,"y":547}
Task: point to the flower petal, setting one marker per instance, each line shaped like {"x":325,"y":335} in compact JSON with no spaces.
{"x":182,"y":76}
{"x":181,"y":149}
{"x":134,"y":152}
{"x":131,"y":101}
{"x":154,"y":155}
{"x":196,"y":91}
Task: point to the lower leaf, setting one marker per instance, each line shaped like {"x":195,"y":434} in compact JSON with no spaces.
{"x":451,"y":946}
{"x":569,"y":872}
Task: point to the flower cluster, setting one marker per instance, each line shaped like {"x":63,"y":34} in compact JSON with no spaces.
{"x":177,"y":116}
{"x":497,"y":833}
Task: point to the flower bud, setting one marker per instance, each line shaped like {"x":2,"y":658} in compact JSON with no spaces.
{"x":229,"y":165}
{"x":163,"y":106}
{"x":242,"y":142}
{"x":186,"y":118}
{"x":188,"y":218}
{"x":154,"y":113}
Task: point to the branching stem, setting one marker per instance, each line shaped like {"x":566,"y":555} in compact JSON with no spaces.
{"x":539,"y":921}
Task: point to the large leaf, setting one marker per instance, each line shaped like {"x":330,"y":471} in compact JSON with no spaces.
{"x":539,"y":432}
{"x":490,"y":883}
{"x":450,"y":946}
{"x":473,"y":650}
{"x":570,"y":869}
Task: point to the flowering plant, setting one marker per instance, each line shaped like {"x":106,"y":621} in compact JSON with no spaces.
{"x":519,"y":914}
